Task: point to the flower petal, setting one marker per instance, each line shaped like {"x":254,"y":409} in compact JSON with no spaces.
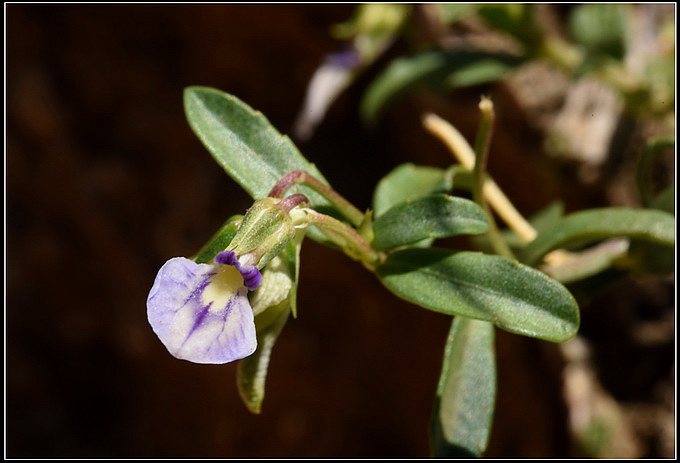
{"x":201,"y":313}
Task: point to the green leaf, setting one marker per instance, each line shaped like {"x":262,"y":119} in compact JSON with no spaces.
{"x":513,"y":296}
{"x":409,"y":181}
{"x":651,"y":258}
{"x":481,"y":72}
{"x":596,"y":259}
{"x":252,"y":371}
{"x":466,"y":393}
{"x":372,"y":27}
{"x":665,"y":200}
{"x":517,"y":20}
{"x":435,"y":68}
{"x":548,"y":216}
{"x":219,"y":241}
{"x":592,"y":225}
{"x":437,"y":216}
{"x":653,"y":149}
{"x":541,"y":220}
{"x":246,"y":145}
{"x":600,"y":28}
{"x":450,"y":13}
{"x":400,"y":74}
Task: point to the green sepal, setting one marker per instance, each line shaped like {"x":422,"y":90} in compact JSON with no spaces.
{"x":591,"y":225}
{"x":293,"y":259}
{"x":252,"y":371}
{"x":515,"y":297}
{"x":437,"y":216}
{"x":219,"y":241}
{"x":466,"y":393}
{"x":265,"y":230}
{"x":269,"y":321}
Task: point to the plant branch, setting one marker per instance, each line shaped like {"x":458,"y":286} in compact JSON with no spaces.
{"x":345,"y":237}
{"x":482,"y":142}
{"x":460,"y":148}
{"x":300,"y":177}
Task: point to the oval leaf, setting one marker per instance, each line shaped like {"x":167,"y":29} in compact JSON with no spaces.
{"x":600,"y":28}
{"x":408,"y":181}
{"x":541,"y":220}
{"x":592,"y":225}
{"x":515,"y":297}
{"x":466,"y":393}
{"x":433,"y":67}
{"x":596,"y":259}
{"x":246,"y":145}
{"x":436,"y":216}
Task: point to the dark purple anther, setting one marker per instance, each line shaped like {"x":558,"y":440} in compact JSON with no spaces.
{"x":251,"y":275}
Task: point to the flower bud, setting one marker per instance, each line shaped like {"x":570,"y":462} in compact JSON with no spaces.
{"x":264,"y":231}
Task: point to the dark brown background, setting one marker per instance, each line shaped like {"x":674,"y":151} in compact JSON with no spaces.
{"x":105,"y":181}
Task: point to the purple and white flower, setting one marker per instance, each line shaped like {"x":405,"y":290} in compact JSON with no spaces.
{"x":201,"y":312}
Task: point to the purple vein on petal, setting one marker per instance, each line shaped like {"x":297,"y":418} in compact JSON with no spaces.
{"x":187,"y":320}
{"x":202,"y":314}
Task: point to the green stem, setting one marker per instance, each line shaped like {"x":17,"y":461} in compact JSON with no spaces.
{"x":345,"y":237}
{"x":292,"y":201}
{"x":495,"y":197}
{"x":482,"y":143}
{"x":300,"y":177}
